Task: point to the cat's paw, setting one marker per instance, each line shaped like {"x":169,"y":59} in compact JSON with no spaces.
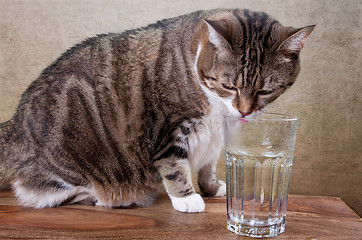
{"x":222,"y":189}
{"x":192,"y":203}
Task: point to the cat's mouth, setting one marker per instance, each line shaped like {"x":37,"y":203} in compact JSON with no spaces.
{"x":250,"y":117}
{"x":242,"y":119}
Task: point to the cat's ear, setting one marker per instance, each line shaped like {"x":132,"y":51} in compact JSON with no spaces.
{"x":219,"y":33}
{"x":294,"y":43}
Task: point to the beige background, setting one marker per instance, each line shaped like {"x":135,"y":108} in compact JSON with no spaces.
{"x":327,"y":96}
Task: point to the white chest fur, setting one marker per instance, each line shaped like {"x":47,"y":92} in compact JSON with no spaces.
{"x":205,"y":144}
{"x":207,"y":141}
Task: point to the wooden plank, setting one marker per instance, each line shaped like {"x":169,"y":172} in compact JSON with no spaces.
{"x":66,"y":218}
{"x":327,"y":206}
{"x":307,"y":218}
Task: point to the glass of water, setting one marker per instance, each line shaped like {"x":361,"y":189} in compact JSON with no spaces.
{"x":259,"y":156}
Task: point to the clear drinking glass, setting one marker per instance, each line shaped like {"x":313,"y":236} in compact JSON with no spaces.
{"x":259,"y":156}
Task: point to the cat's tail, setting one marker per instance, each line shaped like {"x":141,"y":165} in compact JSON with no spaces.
{"x":4,"y":179}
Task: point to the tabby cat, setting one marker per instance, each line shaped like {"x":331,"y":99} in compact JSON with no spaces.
{"x":119,"y":114}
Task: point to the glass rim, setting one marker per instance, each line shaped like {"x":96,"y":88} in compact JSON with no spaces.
{"x":280,"y":117}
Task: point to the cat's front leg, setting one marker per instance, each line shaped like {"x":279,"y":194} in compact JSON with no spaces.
{"x":175,"y":170}
{"x":209,"y":183}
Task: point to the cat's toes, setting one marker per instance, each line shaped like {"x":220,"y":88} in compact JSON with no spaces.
{"x":222,"y":189}
{"x":192,"y":203}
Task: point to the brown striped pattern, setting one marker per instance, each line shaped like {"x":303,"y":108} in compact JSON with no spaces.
{"x":113,"y":114}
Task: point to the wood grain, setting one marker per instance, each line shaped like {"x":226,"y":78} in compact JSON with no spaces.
{"x":308,"y":217}
{"x":65,"y":218}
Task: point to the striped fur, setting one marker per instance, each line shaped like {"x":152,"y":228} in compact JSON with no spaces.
{"x":118,"y":114}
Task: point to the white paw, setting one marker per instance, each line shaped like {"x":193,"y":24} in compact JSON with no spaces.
{"x":192,"y":203}
{"x":222,"y":189}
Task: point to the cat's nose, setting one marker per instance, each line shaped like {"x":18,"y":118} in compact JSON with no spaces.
{"x":244,"y":113}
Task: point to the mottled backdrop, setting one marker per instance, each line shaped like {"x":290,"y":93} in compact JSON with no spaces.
{"x":327,"y":96}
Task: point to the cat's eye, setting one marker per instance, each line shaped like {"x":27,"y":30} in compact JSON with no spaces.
{"x":264,"y":92}
{"x":208,"y":77}
{"x":228,"y":87}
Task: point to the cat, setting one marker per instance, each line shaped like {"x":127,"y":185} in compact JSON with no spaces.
{"x":121,"y":114}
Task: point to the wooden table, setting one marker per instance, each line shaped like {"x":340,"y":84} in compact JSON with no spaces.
{"x":307,"y":218}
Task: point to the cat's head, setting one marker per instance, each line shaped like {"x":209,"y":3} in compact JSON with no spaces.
{"x":248,"y":60}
